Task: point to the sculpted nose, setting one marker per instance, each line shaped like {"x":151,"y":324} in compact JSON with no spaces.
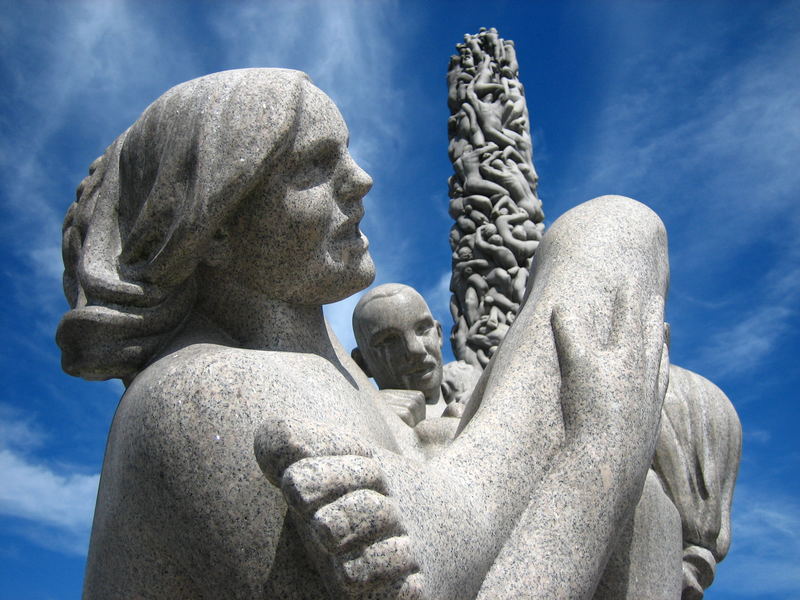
{"x":355,"y":181}
{"x":414,"y":345}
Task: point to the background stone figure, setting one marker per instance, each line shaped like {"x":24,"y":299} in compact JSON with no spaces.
{"x":400,"y":346}
{"x":493,"y":194}
{"x":250,"y":456}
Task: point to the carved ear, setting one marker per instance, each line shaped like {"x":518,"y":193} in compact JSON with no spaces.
{"x":359,"y":360}
{"x":439,"y":332}
{"x":218,"y":251}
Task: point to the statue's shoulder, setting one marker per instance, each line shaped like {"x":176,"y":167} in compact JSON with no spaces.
{"x":214,"y":379}
{"x":200,"y":392}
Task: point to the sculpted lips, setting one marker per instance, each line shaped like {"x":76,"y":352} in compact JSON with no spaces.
{"x":349,"y":231}
{"x":421,"y":370}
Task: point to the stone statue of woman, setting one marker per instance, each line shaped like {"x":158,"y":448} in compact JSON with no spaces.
{"x":250,"y":457}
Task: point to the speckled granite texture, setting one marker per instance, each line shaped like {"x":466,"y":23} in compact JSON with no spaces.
{"x":697,"y":459}
{"x":250,"y":457}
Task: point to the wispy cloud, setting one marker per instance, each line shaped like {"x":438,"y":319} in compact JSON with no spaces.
{"x":52,"y":507}
{"x":735,"y":133}
{"x":90,"y":57}
{"x":767,"y":317}
{"x":757,"y":436}
{"x":711,"y":150}
{"x":747,"y":343}
{"x":18,"y":430}
{"x":62,"y":504}
{"x":766,"y":536}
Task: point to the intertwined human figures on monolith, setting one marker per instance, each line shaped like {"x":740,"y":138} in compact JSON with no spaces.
{"x":493,"y":194}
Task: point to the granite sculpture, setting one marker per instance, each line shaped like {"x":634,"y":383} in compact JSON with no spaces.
{"x":499,"y":218}
{"x":697,"y":459}
{"x":400,"y":346}
{"x":498,"y":224}
{"x":250,"y":457}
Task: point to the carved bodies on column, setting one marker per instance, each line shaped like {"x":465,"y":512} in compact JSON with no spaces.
{"x":498,"y":228}
{"x":493,"y":194}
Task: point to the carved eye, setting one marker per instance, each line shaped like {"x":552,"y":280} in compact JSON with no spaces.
{"x":387,"y":339}
{"x":315,"y":166}
{"x":423,"y":327}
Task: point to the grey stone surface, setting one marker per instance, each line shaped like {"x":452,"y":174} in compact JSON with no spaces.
{"x":499,"y":218}
{"x":697,"y":459}
{"x":250,"y":457}
{"x":646,"y":563}
{"x":400,"y":346}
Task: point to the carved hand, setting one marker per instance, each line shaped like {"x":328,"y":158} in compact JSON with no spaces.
{"x":337,"y":496}
{"x":409,"y":405}
{"x":613,"y":389}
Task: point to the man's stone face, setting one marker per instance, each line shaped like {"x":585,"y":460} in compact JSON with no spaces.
{"x":402,"y":343}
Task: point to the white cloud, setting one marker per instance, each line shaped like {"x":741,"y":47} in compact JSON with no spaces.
{"x":758,"y":436}
{"x":18,"y":430}
{"x":765,"y":560}
{"x":35,"y":492}
{"x":51,"y":507}
{"x":92,"y":60}
{"x":747,"y":343}
{"x":737,"y":128}
{"x":769,"y":318}
{"x":57,"y":507}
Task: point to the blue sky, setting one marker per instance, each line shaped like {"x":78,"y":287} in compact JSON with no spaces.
{"x":691,"y":107}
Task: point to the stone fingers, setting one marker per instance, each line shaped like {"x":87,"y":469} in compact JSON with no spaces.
{"x":355,"y":521}
{"x":353,"y":526}
{"x":312,"y":483}
{"x":388,"y":565}
{"x":405,"y":415}
{"x":409,"y":405}
{"x":281,"y":442}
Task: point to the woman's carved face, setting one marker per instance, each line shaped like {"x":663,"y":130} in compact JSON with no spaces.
{"x":298,"y":237}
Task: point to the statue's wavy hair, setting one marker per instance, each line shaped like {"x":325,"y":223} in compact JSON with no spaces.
{"x":146,"y":214}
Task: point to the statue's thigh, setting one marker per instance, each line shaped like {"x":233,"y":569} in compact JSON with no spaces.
{"x":647,"y":560}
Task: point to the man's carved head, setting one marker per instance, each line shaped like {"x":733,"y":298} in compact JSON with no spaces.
{"x":399,"y":341}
